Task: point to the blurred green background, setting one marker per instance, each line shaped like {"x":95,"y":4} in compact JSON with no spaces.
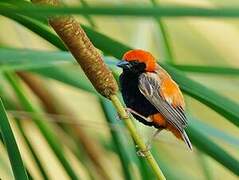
{"x":65,"y":130}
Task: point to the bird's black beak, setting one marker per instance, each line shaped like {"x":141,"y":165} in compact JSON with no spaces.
{"x":124,"y":64}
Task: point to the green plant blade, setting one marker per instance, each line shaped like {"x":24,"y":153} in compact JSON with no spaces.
{"x":42,"y":30}
{"x":204,"y":144}
{"x":43,"y":127}
{"x":18,"y":168}
{"x":65,"y":75}
{"x":25,"y":59}
{"x":12,"y":56}
{"x":211,"y":131}
{"x":140,"y":11}
{"x":208,"y":69}
{"x":39,"y":28}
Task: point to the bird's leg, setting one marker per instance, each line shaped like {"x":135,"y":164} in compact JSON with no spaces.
{"x":129,"y":110}
{"x":149,"y":142}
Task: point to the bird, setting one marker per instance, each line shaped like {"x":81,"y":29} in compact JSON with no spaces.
{"x":151,"y":95}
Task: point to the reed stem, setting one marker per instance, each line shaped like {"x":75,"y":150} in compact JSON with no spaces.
{"x":137,"y":139}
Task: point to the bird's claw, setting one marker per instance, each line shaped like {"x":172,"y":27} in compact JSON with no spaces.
{"x":117,"y":116}
{"x":148,"y":146}
{"x":143,"y":153}
{"x":125,"y":116}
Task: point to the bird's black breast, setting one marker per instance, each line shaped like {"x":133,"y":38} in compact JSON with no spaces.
{"x":134,"y":99}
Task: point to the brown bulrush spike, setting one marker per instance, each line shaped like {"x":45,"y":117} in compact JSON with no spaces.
{"x":74,"y":37}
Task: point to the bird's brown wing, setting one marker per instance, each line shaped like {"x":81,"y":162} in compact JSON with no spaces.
{"x":165,"y":95}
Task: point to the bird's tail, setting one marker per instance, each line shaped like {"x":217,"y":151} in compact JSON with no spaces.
{"x":186,"y":140}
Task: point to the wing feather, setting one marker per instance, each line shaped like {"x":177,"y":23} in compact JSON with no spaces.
{"x":149,"y":85}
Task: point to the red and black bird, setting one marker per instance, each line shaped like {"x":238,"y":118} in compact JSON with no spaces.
{"x":151,"y":95}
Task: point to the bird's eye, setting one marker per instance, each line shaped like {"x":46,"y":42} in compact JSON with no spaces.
{"x":137,"y":66}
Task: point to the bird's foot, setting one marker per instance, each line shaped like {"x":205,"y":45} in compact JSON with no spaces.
{"x":117,"y":116}
{"x":131,"y":111}
{"x":143,"y":153}
{"x":125,"y":116}
{"x":150,"y":141}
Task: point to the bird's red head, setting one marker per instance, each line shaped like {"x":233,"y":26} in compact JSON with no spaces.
{"x":143,"y":57}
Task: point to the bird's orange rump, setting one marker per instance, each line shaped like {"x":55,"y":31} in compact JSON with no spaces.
{"x":161,"y":122}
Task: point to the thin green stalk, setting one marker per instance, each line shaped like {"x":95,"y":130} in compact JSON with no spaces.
{"x":88,"y":18}
{"x":29,"y":175}
{"x":43,"y":127}
{"x":138,"y":140}
{"x":122,"y":147}
{"x":14,"y":155}
{"x":164,"y":36}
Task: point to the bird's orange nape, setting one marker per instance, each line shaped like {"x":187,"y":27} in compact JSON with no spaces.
{"x":141,"y":56}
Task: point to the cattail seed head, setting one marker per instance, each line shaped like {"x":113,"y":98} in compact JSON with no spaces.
{"x":74,"y":37}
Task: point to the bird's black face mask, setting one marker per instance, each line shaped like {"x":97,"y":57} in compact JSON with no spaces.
{"x":134,"y":67}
